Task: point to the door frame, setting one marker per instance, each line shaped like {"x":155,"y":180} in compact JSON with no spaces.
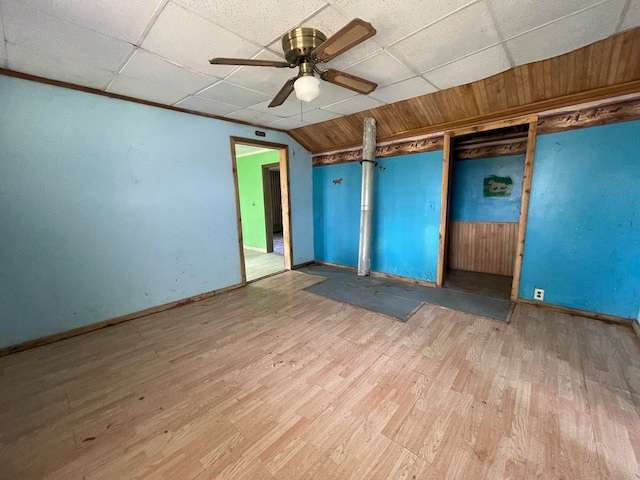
{"x":532,"y":134}
{"x":268,"y":204}
{"x":283,"y":151}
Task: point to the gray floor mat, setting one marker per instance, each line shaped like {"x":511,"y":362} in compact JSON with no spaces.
{"x":396,"y":298}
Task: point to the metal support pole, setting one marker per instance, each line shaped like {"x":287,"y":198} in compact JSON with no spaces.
{"x":366,"y":210}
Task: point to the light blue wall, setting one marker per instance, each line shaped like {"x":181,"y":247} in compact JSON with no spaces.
{"x":583,"y":232}
{"x":406,"y":214}
{"x":467,"y":202}
{"x":109,"y":207}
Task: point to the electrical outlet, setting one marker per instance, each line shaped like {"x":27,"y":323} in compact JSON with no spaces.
{"x":538,"y":294}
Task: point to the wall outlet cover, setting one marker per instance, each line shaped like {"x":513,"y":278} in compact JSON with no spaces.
{"x":538,"y":294}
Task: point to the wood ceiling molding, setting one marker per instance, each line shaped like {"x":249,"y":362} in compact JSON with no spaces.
{"x":622,"y":111}
{"x":604,"y":69}
{"x":71,"y":86}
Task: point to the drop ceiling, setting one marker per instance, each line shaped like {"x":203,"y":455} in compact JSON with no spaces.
{"x":158,"y":50}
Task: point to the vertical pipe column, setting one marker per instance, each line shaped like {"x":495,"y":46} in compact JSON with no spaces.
{"x":366,"y":209}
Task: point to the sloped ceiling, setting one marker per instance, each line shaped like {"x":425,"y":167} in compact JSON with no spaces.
{"x":602,"y":70}
{"x":158,"y":50}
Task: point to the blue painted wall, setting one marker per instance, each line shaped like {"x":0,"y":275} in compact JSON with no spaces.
{"x":109,"y":207}
{"x":467,"y":202}
{"x":583,"y":231}
{"x":406,"y":214}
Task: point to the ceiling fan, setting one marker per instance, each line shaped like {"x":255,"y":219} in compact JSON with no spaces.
{"x":305,"y":48}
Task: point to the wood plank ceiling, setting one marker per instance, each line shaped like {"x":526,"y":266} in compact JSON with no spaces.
{"x":603,"y":69}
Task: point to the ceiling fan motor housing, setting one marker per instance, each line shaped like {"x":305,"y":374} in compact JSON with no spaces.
{"x":300,"y":42}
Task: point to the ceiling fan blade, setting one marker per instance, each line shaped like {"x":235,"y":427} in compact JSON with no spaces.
{"x":249,"y":62}
{"x":283,"y":94}
{"x":352,"y":34}
{"x":349,"y":81}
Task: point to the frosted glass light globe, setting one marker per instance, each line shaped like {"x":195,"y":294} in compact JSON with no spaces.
{"x":307,"y":88}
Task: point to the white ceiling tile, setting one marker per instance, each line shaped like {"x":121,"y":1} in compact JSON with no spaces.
{"x":412,"y":87}
{"x":293,"y":106}
{"x":394,"y":20}
{"x":123,"y":19}
{"x":353,"y":105}
{"x":252,"y":116}
{"x":328,"y":20}
{"x":3,"y":49}
{"x":259,"y":21}
{"x":267,"y":80}
{"x":469,"y":69}
{"x":566,"y":35}
{"x":460,"y":34}
{"x":317,"y":116}
{"x":512,"y":20}
{"x":632,"y":17}
{"x":187,"y":39}
{"x":27,"y":60}
{"x":330,"y":93}
{"x":32,"y":28}
{"x":226,"y":92}
{"x":132,"y":87}
{"x":151,"y":68}
{"x":200,"y":104}
{"x":381,"y":68}
{"x":352,"y":56}
{"x":288,"y":123}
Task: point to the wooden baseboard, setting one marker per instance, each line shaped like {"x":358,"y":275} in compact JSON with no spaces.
{"x":113,"y":321}
{"x":636,"y":328}
{"x":627,"y":322}
{"x":302,"y":265}
{"x":255,"y":249}
{"x":381,"y":275}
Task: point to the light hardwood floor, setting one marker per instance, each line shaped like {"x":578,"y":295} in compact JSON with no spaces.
{"x":272,"y":382}
{"x":258,"y":264}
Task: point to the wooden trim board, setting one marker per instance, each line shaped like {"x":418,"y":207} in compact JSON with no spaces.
{"x":255,"y":249}
{"x":113,"y":321}
{"x":284,"y":192}
{"x":236,"y":189}
{"x":268,"y":205}
{"x":485,"y":127}
{"x":71,"y":86}
{"x":524,"y":208}
{"x":285,"y":196}
{"x":627,"y":322}
{"x":303,"y":264}
{"x":636,"y":327}
{"x":444,"y":209}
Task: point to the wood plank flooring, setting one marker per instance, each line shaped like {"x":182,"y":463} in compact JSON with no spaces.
{"x":272,"y":382}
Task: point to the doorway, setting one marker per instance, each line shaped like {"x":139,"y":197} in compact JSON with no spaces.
{"x":486,"y":183}
{"x":262,"y":203}
{"x":271,"y":187}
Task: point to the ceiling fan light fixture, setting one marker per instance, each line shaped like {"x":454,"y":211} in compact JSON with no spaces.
{"x":304,"y":48}
{"x":307,"y":88}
